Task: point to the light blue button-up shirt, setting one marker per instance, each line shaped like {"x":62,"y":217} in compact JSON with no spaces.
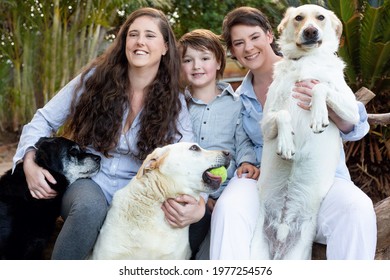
{"x":253,"y":114}
{"x":116,"y":171}
{"x":218,"y":126}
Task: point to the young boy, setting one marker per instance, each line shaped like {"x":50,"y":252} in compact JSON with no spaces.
{"x":215,"y":109}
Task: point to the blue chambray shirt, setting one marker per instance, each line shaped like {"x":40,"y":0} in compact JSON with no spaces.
{"x":116,"y":171}
{"x":253,"y":114}
{"x":218,"y":126}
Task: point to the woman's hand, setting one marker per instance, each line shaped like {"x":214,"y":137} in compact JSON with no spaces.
{"x":183,"y":210}
{"x":252,"y":172}
{"x":36,"y":178}
{"x":303,"y":91}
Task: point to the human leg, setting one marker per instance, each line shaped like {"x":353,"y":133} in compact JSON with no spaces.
{"x":198,"y":232}
{"x":347,"y":222}
{"x":233,"y":220}
{"x":84,"y":208}
{"x":204,"y":249}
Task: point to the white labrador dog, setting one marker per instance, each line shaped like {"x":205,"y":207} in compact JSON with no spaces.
{"x":135,"y":226}
{"x":301,"y":148}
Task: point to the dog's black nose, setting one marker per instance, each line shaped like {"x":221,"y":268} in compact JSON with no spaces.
{"x":310,"y":33}
{"x":226,"y":153}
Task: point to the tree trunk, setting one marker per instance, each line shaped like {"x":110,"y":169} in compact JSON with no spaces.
{"x":382,"y":210}
{"x":381,"y":119}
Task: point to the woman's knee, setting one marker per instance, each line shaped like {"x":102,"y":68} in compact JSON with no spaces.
{"x":359,"y":202}
{"x":84,"y":198}
{"x":362,"y":209}
{"x":239,"y":198}
{"x":348,"y":199}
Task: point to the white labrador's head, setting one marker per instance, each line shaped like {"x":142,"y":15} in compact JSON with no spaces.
{"x":308,"y":27}
{"x":187,"y":166}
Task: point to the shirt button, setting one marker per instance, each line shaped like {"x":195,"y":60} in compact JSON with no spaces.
{"x":202,"y":138}
{"x":204,"y":122}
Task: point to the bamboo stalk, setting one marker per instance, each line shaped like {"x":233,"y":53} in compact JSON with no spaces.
{"x":56,"y":29}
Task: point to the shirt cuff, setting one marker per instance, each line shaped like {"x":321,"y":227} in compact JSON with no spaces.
{"x":359,"y":130}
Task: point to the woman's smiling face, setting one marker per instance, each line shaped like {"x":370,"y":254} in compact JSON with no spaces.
{"x":145,"y":43}
{"x":250,"y":45}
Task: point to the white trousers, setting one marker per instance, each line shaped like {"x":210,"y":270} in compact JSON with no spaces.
{"x":346,"y":222}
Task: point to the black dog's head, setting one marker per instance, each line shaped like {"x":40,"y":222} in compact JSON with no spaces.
{"x":63,"y":157}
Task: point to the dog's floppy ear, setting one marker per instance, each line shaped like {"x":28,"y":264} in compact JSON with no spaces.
{"x":152,"y":161}
{"x":43,"y":140}
{"x":42,"y":158}
{"x":336,"y":24}
{"x":282,"y":25}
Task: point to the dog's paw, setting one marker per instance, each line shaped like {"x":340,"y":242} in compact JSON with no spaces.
{"x":286,"y":146}
{"x":319,"y":111}
{"x":319,"y":118}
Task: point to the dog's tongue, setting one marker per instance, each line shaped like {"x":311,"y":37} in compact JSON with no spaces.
{"x":214,"y":177}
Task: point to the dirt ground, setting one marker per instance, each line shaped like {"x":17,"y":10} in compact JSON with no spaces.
{"x":8,"y":143}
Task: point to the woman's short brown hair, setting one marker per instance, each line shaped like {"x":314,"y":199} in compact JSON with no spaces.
{"x":245,"y":16}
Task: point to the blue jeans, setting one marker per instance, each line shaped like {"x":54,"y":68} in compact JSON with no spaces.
{"x":84,"y":208}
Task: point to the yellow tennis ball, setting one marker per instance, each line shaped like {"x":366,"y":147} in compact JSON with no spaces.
{"x":221,"y":172}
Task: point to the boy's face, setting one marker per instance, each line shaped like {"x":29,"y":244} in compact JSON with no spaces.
{"x":199,"y":67}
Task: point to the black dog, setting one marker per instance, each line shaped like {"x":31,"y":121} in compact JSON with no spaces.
{"x":26,"y":223}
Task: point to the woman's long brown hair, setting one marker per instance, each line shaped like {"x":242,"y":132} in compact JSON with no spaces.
{"x":96,"y":117}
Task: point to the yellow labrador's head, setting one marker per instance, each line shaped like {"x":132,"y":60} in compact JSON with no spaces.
{"x":309,"y":27}
{"x":186,"y":166}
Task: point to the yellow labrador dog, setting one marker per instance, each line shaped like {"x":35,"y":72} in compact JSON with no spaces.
{"x":135,"y":227}
{"x":301,"y":147}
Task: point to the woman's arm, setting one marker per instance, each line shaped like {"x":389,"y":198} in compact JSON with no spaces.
{"x":343,"y":126}
{"x":185,"y":123}
{"x":245,"y":154}
{"x":45,"y":122}
{"x":349,"y":132}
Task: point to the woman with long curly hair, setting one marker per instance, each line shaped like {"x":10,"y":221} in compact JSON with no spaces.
{"x":122,"y":106}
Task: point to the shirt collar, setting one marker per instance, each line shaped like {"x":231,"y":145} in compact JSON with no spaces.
{"x":226,"y":89}
{"x":246,"y":87}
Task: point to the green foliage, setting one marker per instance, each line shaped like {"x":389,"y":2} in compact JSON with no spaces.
{"x":45,"y":43}
{"x":365,"y":46}
{"x":187,"y":15}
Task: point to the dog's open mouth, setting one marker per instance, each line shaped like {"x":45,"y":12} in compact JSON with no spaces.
{"x":213,"y":181}
{"x":92,"y":171}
